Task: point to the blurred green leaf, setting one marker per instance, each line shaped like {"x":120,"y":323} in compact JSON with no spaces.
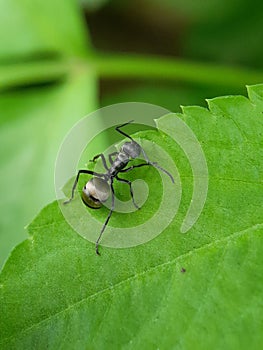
{"x":38,"y":42}
{"x":177,"y":291}
{"x":33,"y":125}
{"x":35,"y":28}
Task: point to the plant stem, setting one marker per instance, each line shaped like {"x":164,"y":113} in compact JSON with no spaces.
{"x":170,"y":69}
{"x":128,"y":66}
{"x":24,"y":74}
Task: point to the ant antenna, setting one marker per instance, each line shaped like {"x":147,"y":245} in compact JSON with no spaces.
{"x":122,"y":132}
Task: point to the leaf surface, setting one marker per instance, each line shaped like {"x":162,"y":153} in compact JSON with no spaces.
{"x":200,"y":290}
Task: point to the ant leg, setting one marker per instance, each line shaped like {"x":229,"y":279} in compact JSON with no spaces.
{"x":111,"y":155}
{"x":131,"y":191}
{"x":154,"y":164}
{"x":77,"y":179}
{"x":108,"y":218}
{"x":145,"y":156}
{"x":122,"y":132}
{"x":103,"y":160}
{"x":134,"y":166}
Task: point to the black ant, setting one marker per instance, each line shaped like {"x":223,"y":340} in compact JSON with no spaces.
{"x":97,"y":190}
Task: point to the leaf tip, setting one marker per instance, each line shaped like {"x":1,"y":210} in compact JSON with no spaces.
{"x":255,"y":93}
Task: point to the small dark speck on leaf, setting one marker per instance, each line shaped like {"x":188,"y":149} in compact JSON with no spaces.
{"x":183,"y":270}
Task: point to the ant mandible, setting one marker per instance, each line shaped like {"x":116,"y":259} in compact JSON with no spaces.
{"x":97,"y":190}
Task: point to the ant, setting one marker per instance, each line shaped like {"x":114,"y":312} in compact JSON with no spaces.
{"x":97,"y":190}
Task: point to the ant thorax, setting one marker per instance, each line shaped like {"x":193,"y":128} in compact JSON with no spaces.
{"x":132,"y":149}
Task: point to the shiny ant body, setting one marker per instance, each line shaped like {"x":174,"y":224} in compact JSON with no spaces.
{"x":97,"y":190}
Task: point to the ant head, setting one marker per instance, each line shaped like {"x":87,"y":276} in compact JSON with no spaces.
{"x":95,"y":192}
{"x":132,"y":149}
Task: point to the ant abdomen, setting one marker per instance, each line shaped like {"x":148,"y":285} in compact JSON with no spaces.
{"x":95,"y":192}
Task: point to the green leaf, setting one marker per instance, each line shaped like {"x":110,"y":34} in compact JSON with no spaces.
{"x":199,"y":290}
{"x":37,"y":38}
{"x":31,"y":28}
{"x":32,"y":129}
